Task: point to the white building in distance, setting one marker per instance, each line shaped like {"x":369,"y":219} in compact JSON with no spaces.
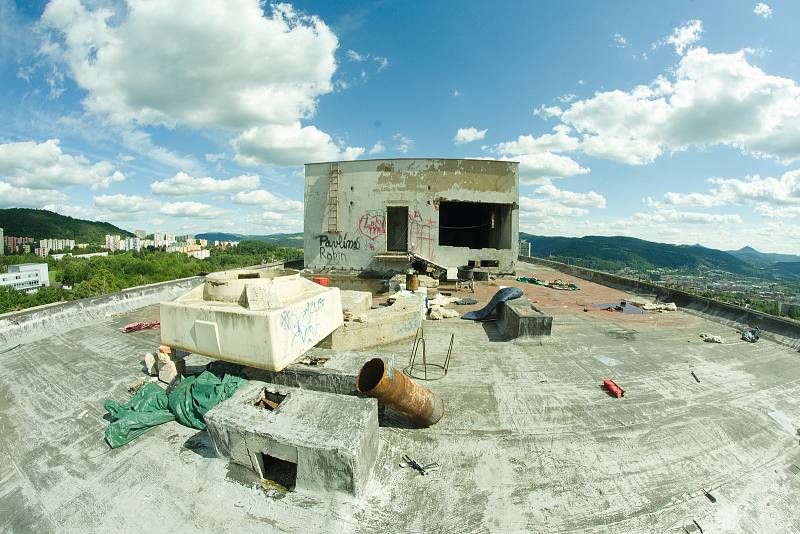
{"x":28,"y":277}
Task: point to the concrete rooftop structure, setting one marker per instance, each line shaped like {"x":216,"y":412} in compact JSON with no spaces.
{"x":529,"y":442}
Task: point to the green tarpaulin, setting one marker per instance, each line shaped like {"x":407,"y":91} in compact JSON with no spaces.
{"x":151,"y":406}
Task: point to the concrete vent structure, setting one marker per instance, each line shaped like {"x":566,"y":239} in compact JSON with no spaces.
{"x":260,"y":318}
{"x":305,"y":441}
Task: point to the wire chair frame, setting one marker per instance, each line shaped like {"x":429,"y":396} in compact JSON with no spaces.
{"x":420,"y":371}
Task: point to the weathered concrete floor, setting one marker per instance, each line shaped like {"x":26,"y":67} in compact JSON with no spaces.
{"x":530,"y":442}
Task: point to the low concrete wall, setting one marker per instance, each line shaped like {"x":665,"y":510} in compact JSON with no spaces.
{"x":780,"y":330}
{"x":42,"y":321}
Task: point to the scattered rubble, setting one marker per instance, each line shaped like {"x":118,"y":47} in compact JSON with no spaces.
{"x":660,"y":307}
{"x":711,"y":338}
{"x":135,"y":327}
{"x":555,"y":284}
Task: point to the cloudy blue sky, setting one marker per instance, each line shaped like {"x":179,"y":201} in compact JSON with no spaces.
{"x":677,"y":122}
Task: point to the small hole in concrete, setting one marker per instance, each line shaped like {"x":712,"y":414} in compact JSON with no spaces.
{"x":370,"y":374}
{"x":351,"y":188}
{"x":279,"y":471}
{"x":246,"y":276}
{"x":269,"y":400}
{"x":429,"y":188}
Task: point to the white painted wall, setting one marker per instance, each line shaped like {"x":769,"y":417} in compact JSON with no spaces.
{"x":367,"y":187}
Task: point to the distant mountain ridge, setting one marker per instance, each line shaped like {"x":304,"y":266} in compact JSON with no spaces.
{"x":280,"y":240}
{"x":43,"y":224}
{"x":617,"y":252}
{"x":761,"y":259}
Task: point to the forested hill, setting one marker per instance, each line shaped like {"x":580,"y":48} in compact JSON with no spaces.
{"x":279,"y":240}
{"x":43,"y":224}
{"x":614,"y":253}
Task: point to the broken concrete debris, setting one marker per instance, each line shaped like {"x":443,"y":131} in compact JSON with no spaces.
{"x":437,"y":313}
{"x":135,"y":327}
{"x":658,"y":306}
{"x":150,"y":364}
{"x":395,"y":390}
{"x":555,"y":284}
{"x":711,"y":338}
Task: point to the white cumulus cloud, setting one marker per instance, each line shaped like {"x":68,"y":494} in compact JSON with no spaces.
{"x":763,"y":10}
{"x":559,"y":141}
{"x":23,"y":197}
{"x":540,"y":168}
{"x":125,"y":203}
{"x":468,"y":135}
{"x":198,"y":62}
{"x":185,"y":184}
{"x":711,"y":99}
{"x":683,"y":37}
{"x":288,"y":145}
{"x":268,"y":201}
{"x":45,"y":166}
{"x":195,"y":210}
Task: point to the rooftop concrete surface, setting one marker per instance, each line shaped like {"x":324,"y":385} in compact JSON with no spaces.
{"x":529,"y":441}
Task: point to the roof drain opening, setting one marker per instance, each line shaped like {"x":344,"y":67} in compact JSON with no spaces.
{"x":269,"y":400}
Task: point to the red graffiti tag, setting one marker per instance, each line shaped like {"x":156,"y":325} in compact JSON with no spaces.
{"x":372,"y":225}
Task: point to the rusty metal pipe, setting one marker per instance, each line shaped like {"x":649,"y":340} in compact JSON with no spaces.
{"x":394,"y":389}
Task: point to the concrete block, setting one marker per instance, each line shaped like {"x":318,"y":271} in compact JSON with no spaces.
{"x":312,"y":442}
{"x":357,"y":302}
{"x":150,"y":364}
{"x":383,"y":325}
{"x":520,"y":318}
{"x":259,"y":318}
{"x":171,"y":371}
{"x":336,"y":371}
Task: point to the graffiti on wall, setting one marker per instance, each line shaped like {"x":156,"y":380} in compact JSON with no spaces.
{"x":303,"y":324}
{"x":420,"y":235}
{"x":372,"y":224}
{"x":332,"y":248}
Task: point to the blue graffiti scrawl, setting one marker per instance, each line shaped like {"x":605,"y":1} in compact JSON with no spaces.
{"x":303,"y":326}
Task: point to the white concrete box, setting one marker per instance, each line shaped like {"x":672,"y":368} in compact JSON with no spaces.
{"x":260,"y":318}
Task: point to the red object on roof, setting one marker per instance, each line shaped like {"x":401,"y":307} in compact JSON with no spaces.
{"x":613,"y":388}
{"x":135,"y":327}
{"x":321,"y":280}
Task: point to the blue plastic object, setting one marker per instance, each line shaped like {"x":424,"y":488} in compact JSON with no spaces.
{"x":507,"y":293}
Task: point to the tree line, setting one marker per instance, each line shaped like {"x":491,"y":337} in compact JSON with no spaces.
{"x":78,"y":278}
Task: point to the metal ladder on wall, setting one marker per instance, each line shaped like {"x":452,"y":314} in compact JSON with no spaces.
{"x":333,"y":198}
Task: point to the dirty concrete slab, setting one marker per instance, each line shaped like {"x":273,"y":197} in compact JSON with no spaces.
{"x":529,"y":441}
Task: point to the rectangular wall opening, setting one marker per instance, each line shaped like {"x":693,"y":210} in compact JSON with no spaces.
{"x":475,"y":225}
{"x":279,"y":471}
{"x":397,"y":228}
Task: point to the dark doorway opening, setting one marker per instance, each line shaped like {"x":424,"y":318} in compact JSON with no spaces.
{"x":475,"y":225}
{"x":397,"y":228}
{"x":279,"y":471}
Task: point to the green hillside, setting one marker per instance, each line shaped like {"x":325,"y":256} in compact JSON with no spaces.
{"x":43,"y":224}
{"x":614,"y":253}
